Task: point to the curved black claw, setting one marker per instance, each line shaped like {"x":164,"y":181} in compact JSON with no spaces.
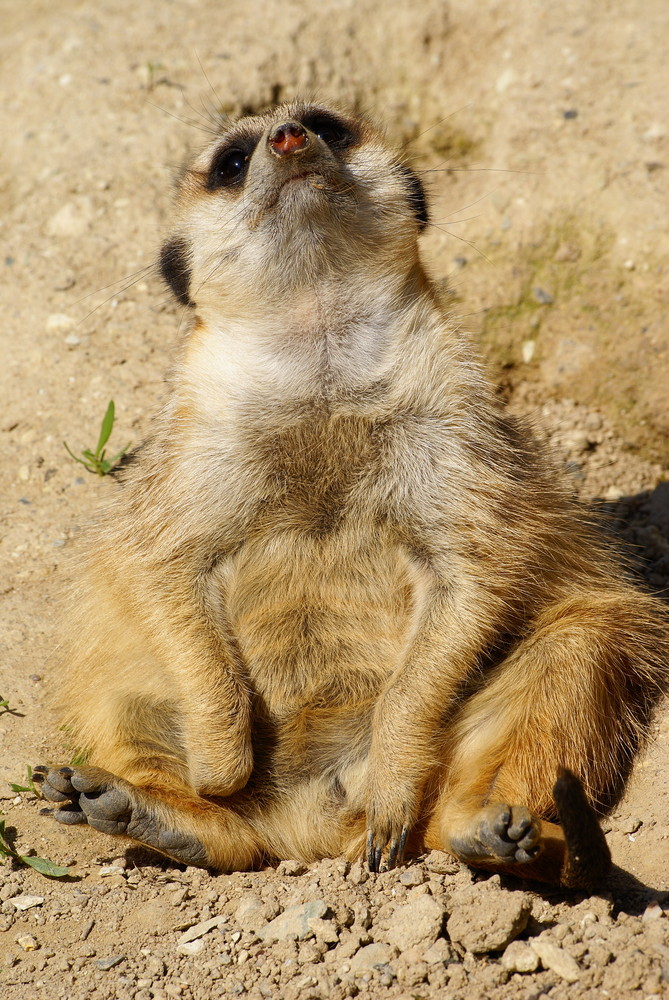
{"x":397,"y":847}
{"x":395,"y":852}
{"x":374,"y":853}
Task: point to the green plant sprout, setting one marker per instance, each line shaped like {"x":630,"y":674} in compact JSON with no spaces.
{"x":29,"y":786}
{"x":5,"y":706}
{"x":95,"y":461}
{"x":41,"y":865}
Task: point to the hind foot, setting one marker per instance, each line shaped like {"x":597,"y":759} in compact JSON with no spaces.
{"x":112,"y":805}
{"x":497,"y":832}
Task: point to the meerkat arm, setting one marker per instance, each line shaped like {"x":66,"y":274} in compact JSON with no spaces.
{"x":421,"y":695}
{"x":201,"y":651}
{"x":159,"y":640}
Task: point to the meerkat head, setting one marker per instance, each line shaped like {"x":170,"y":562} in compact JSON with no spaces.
{"x":298,"y":193}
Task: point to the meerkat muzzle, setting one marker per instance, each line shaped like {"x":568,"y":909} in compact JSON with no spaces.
{"x":288,"y":139}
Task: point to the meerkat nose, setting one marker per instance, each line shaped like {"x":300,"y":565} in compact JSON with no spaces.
{"x":286,"y":139}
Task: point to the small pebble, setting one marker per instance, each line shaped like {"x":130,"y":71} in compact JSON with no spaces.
{"x":26,"y":902}
{"x":653,"y":911}
{"x":59,"y":322}
{"x":200,"y":929}
{"x":108,"y":870}
{"x":109,"y":963}
{"x":630,"y":824}
{"x":519,"y":957}
{"x":413,"y":876}
{"x":556,"y":959}
{"x":27,"y":942}
{"x":291,"y":868}
{"x":527,"y":350}
{"x":87,"y":929}
{"x":191,"y":947}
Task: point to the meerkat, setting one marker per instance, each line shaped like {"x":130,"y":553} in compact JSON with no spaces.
{"x":343,"y":602}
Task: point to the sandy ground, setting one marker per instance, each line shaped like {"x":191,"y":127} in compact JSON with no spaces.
{"x":543,"y":137}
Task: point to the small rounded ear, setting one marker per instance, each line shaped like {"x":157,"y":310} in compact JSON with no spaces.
{"x":175,"y":270}
{"x":417,"y":198}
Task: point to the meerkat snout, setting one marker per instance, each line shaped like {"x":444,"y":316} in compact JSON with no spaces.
{"x":287,"y":139}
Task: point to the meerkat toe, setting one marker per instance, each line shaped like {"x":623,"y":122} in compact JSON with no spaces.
{"x":71,"y":814}
{"x":522,"y":827}
{"x":55,"y":783}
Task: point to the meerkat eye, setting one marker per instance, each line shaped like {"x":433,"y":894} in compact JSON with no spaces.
{"x":330,"y":129}
{"x":228,"y":168}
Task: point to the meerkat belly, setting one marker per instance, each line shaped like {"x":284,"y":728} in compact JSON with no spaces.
{"x":320,"y":623}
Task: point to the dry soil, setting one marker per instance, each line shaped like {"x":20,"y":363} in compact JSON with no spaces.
{"x":542,"y":134}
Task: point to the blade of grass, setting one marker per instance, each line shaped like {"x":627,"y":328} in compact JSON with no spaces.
{"x":106,"y":427}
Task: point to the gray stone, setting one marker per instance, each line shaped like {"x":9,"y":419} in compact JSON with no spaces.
{"x":488,"y":920}
{"x":441,"y":863}
{"x":191,"y":947}
{"x":199,"y":930}
{"x":541,"y":296}
{"x":109,"y":963}
{"x":556,"y":959}
{"x":439,"y":952}
{"x":371,"y":957}
{"x":358,"y":874}
{"x":253,"y":913}
{"x":415,"y":875}
{"x":296,"y":922}
{"x":519,"y":957}
{"x":291,"y":868}
{"x":26,"y":902}
{"x":416,"y":923}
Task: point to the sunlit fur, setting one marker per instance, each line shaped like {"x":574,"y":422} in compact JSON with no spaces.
{"x":340,"y":587}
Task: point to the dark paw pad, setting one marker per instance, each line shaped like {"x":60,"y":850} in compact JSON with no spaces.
{"x":114,"y":806}
{"x":500,"y":833}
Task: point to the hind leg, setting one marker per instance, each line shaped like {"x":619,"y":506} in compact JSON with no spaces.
{"x":567,"y":697}
{"x":165,"y":817}
{"x":144,"y":793}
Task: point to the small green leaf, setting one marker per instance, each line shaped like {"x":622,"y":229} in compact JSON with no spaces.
{"x":95,"y":461}
{"x":30,"y":787}
{"x":106,"y":427}
{"x":45,"y":867}
{"x":72,"y":455}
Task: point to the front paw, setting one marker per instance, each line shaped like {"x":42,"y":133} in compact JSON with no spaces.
{"x":391,"y":813}
{"x":220,"y":774}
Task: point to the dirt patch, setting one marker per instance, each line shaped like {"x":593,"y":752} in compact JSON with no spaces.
{"x":541,"y":135}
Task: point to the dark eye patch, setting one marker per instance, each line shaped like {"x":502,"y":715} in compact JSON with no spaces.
{"x":331,"y":129}
{"x":417,"y":199}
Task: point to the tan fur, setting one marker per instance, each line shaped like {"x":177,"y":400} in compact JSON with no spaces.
{"x":340,"y":589}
